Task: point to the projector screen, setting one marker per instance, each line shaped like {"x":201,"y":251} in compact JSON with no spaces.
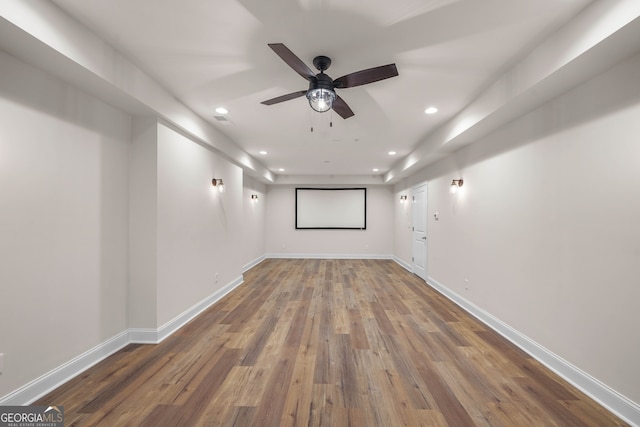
{"x":331,"y":208}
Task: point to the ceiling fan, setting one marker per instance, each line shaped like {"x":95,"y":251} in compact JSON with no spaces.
{"x":321,"y":93}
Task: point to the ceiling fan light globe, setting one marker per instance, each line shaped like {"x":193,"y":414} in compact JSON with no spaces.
{"x":321,"y":100}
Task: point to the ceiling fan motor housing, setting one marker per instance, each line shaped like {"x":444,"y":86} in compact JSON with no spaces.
{"x":322,"y":62}
{"x":322,"y":81}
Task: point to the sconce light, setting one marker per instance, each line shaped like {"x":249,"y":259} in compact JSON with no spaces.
{"x":455,"y":184}
{"x":254,"y":197}
{"x":216,"y":182}
{"x":403,"y":198}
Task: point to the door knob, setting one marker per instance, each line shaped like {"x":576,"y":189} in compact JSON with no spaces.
{"x":424,"y":238}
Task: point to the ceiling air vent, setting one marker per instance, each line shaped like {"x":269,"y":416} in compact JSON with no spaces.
{"x":222,"y":120}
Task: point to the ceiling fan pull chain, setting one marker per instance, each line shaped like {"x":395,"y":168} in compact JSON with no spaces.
{"x":311,"y":120}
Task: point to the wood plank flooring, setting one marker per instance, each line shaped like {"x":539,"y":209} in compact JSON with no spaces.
{"x":327,"y":343}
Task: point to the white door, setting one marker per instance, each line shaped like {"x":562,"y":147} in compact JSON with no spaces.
{"x":419,"y":200}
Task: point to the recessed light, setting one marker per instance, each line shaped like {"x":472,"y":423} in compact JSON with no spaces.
{"x":392,"y":153}
{"x":221,"y":110}
{"x":376,"y":169}
{"x":281,"y":170}
{"x":263,"y":152}
{"x":431,"y":110}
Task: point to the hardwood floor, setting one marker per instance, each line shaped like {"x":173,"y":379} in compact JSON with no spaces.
{"x":327,"y":343}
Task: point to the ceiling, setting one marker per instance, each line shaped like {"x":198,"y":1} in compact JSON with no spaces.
{"x":211,"y":54}
{"x":482,"y":63}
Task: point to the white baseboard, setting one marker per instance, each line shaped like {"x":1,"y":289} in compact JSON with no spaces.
{"x":253,"y":263}
{"x":143,"y":336}
{"x":403,"y":264}
{"x":328,"y":256}
{"x":615,"y":402}
{"x":182,"y":319}
{"x":37,"y":388}
{"x":155,"y":336}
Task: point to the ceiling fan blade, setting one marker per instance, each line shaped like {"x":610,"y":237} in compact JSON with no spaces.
{"x":366,"y":76}
{"x":341,"y":107}
{"x":292,"y":60}
{"x":284,"y":97}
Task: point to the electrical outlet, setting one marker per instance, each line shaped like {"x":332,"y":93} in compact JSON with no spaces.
{"x":1,"y":363}
{"x":217,"y":277}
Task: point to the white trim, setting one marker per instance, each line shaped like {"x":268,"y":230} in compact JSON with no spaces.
{"x":414,"y":190}
{"x":253,"y":263}
{"x":329,"y":256}
{"x":143,"y":336}
{"x":403,"y":264}
{"x":37,"y":388}
{"x":615,"y":402}
{"x":182,"y":319}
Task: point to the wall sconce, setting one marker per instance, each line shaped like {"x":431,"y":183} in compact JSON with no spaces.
{"x":455,"y":185}
{"x":403,"y":198}
{"x":216,"y":182}
{"x":254,"y":197}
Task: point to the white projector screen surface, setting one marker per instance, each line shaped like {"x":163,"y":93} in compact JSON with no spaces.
{"x":330,"y":208}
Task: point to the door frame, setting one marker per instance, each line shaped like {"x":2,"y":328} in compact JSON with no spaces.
{"x":426,"y":228}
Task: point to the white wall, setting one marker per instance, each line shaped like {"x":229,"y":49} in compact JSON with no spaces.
{"x":186,"y":236}
{"x":282,"y":239}
{"x":142,"y":300}
{"x":63,"y":222}
{"x":254,"y":222}
{"x":100,"y":234}
{"x":546,"y":230}
{"x":199,"y":229}
{"x":187,"y":241}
